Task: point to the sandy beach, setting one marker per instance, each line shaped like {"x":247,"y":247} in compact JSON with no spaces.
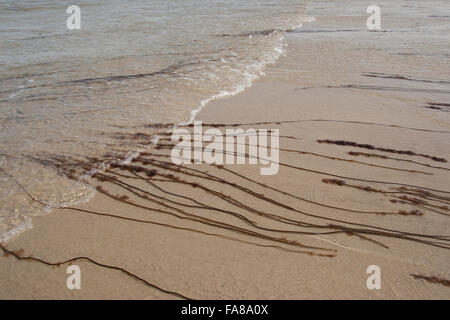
{"x":363,"y":180}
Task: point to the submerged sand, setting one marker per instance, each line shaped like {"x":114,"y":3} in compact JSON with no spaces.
{"x":184,"y":243}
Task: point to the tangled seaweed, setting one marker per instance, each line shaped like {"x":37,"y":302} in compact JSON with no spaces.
{"x":220,"y":201}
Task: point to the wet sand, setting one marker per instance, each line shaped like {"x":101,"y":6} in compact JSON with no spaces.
{"x":308,"y":232}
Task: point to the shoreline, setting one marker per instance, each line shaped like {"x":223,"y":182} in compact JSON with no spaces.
{"x":208,"y":261}
{"x":239,"y":88}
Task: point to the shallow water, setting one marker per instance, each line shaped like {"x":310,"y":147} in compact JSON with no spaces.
{"x":86,"y":93}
